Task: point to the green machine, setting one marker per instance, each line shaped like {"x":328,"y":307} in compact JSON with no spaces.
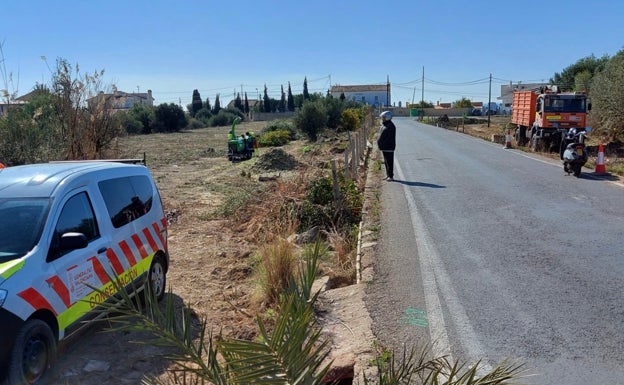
{"x":240,"y":147}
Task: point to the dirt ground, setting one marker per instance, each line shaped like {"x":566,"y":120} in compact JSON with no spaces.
{"x":211,"y":267}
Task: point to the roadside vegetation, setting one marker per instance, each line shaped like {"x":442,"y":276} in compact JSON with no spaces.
{"x":60,"y":124}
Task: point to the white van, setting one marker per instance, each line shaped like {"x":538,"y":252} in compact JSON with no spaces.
{"x":66,"y":228}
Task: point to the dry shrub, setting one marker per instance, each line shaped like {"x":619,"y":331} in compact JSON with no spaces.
{"x":275,"y":269}
{"x":273,"y":214}
{"x":343,"y":264}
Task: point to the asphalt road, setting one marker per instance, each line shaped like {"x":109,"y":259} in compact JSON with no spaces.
{"x":492,"y":253}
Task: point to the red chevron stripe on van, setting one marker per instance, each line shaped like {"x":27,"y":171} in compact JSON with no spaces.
{"x":159,"y":234}
{"x":36,"y":300}
{"x":150,"y":239}
{"x":127,"y":252}
{"x":60,"y":288}
{"x":114,"y":260}
{"x":99,"y":270}
{"x":140,"y":246}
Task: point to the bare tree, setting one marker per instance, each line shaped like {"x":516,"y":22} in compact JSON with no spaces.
{"x":9,"y":90}
{"x":85,"y":112}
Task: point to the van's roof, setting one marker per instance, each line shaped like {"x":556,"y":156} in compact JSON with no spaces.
{"x":41,"y":179}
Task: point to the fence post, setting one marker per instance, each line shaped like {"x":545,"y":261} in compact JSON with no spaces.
{"x":335,"y":182}
{"x":346,"y":162}
{"x":354,"y":160}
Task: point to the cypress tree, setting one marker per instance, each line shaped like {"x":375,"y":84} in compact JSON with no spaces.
{"x":291,"y":99}
{"x":267,"y":101}
{"x":282,"y":103}
{"x":238,"y":103}
{"x":306,"y":94}
{"x":207,"y":105}
{"x":246,"y":104}
{"x":196,"y":103}
{"x":217,"y":106}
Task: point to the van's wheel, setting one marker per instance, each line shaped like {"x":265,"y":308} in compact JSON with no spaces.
{"x":33,"y":353}
{"x":157,"y":278}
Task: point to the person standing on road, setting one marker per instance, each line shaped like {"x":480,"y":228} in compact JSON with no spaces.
{"x":387,"y":142}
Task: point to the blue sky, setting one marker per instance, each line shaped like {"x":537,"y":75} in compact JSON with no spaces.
{"x":174,"y":47}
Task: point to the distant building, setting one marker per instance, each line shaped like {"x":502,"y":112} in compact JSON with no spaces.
{"x":122,"y":101}
{"x":442,"y":106}
{"x":377,"y":95}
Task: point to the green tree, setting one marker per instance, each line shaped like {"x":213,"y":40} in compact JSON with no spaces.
{"x":311,"y":118}
{"x":351,"y":119}
{"x":207,"y":105}
{"x":217,"y":106}
{"x":607,"y":98}
{"x":342,"y":96}
{"x":463,"y":103}
{"x":281,"y":107}
{"x":333,"y":108}
{"x":582,"y":81}
{"x":290,"y":99}
{"x":30,"y":134}
{"x":306,"y":94}
{"x":169,"y":118}
{"x":196,"y":103}
{"x":566,"y":79}
{"x":238,"y":102}
{"x":267,"y":101}
{"x":204,"y":116}
{"x":145,"y":115}
{"x":246,"y":106}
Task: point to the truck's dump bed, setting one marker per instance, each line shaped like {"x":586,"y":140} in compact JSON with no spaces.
{"x":523,"y":108}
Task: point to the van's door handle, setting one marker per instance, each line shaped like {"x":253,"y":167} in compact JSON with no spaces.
{"x":102,"y":250}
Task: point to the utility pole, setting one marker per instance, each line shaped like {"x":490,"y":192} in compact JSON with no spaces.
{"x":489,"y":110}
{"x":422,"y":97}
{"x":388,"y":91}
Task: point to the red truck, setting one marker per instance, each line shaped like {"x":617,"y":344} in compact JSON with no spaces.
{"x":544,"y":117}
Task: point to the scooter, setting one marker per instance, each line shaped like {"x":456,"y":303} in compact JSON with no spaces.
{"x":573,"y":152}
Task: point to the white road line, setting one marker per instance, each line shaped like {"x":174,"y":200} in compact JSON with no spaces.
{"x":436,"y":282}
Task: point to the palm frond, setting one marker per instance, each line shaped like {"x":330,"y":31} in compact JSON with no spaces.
{"x":292,"y":352}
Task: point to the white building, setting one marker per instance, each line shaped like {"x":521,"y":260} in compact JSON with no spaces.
{"x":374,"y":94}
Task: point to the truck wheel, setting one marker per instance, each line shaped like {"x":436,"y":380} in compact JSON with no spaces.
{"x":33,"y":353}
{"x":157,"y":278}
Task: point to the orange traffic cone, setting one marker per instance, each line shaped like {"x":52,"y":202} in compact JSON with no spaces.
{"x":600,"y":164}
{"x":508,"y":140}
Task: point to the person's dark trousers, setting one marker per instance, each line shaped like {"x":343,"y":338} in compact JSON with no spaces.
{"x":389,"y":162}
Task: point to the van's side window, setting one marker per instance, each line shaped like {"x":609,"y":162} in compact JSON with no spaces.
{"x":77,"y":216}
{"x":127,"y":198}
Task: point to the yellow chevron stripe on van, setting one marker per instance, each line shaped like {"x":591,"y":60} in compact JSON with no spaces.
{"x":80,"y":308}
{"x":9,"y":268}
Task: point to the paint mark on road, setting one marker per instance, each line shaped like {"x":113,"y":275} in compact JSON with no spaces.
{"x":415,"y":317}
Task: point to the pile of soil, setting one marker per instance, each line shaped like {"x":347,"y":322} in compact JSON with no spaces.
{"x":275,"y":159}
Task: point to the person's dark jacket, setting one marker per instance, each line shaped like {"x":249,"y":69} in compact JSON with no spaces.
{"x":387,"y":136}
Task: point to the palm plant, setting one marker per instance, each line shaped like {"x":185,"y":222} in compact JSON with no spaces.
{"x":293,"y":352}
{"x":414,"y":367}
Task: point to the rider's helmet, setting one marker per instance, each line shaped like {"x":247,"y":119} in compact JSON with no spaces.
{"x":386,"y":115}
{"x":571,"y":133}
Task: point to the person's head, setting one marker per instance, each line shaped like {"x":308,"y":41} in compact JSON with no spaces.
{"x":386,"y":115}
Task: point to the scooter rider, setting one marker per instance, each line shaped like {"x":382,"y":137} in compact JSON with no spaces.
{"x":387,"y":142}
